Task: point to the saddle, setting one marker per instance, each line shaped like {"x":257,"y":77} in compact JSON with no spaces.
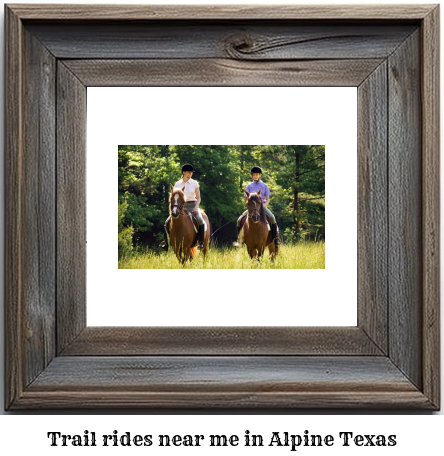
{"x":195,"y":222}
{"x":196,"y":229}
{"x":193,"y":219}
{"x":195,"y":225}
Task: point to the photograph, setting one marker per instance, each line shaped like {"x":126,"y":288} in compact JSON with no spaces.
{"x":221,"y":206}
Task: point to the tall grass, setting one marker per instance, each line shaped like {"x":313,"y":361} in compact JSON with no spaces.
{"x":303,"y":255}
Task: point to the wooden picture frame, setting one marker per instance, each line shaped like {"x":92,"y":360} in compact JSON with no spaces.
{"x":390,"y":360}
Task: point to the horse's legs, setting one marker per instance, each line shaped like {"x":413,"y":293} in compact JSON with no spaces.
{"x":180,"y":254}
{"x":206,"y":246}
{"x":260,"y":252}
{"x":272,"y":252}
{"x":277,"y":248}
{"x":207,"y":236}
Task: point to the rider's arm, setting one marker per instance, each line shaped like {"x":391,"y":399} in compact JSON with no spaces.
{"x":267,"y":200}
{"x":197,"y":198}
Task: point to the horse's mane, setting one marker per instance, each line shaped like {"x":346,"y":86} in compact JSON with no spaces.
{"x":182,"y":194}
{"x":175,"y":190}
{"x":257,"y":199}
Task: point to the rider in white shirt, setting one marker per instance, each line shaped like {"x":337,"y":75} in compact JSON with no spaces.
{"x":192,"y":201}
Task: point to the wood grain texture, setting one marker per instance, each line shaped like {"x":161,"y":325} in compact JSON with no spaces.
{"x":38,"y":222}
{"x":127,"y":341}
{"x":203,"y":373}
{"x":405,"y":209}
{"x":236,"y":40}
{"x":246,"y":401}
{"x":71,"y":206}
{"x":208,"y":72}
{"x":209,"y":373}
{"x":233,"y":382}
{"x":431,"y":205}
{"x":220,"y":12}
{"x":372,"y":207}
{"x":13,"y":209}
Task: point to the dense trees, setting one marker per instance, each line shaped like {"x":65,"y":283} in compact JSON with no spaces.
{"x":295,"y":175}
{"x":299,"y":176}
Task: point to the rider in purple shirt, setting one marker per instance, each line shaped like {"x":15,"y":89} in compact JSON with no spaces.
{"x":257,"y":185}
{"x":254,"y":186}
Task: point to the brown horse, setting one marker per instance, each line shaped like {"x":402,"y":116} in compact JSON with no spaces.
{"x":183,"y":235}
{"x":256,"y":233}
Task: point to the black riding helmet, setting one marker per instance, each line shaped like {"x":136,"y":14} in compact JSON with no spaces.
{"x":187,"y":167}
{"x":256,"y":169}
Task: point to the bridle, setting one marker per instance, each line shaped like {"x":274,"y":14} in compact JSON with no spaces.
{"x":250,"y":213}
{"x":177,"y":205}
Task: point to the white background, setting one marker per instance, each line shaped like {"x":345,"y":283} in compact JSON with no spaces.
{"x":222,"y":115}
{"x":418,"y":433}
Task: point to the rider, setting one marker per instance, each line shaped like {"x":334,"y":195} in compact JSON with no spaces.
{"x":192,"y":201}
{"x":254,"y":186}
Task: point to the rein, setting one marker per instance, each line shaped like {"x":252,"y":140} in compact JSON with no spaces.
{"x":180,"y":207}
{"x":250,"y":213}
{"x":189,"y":214}
{"x":258,"y":210}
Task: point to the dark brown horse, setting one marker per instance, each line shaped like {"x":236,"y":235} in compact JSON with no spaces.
{"x":256,"y":233}
{"x":183,"y":235}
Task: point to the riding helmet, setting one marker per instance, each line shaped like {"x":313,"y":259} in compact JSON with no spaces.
{"x":187,"y":167}
{"x":256,"y":169}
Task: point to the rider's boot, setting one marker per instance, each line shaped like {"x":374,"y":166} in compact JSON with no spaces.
{"x":236,"y":242}
{"x":201,"y":236}
{"x":164,"y":245}
{"x":274,"y":233}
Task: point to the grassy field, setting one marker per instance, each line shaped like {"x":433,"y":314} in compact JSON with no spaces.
{"x":304,"y":255}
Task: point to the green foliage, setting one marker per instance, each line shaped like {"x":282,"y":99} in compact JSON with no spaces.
{"x":125,"y":242}
{"x":295,"y":175}
{"x":122,"y":208}
{"x":125,"y":235}
{"x":299,"y":176}
{"x":145,"y":174}
{"x":216,"y":174}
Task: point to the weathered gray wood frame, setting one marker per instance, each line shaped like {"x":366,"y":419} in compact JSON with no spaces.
{"x":390,"y":360}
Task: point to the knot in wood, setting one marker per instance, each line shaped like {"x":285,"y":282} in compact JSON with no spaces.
{"x":239,"y":46}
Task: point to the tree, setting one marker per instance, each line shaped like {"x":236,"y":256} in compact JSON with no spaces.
{"x":294,"y":173}
{"x":144,"y":176}
{"x":215,"y":167}
{"x":299,"y":173}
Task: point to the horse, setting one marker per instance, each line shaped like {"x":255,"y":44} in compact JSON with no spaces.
{"x":182,"y":228}
{"x":256,"y":233}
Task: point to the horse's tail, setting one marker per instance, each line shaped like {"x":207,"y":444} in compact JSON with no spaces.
{"x":194,"y":251}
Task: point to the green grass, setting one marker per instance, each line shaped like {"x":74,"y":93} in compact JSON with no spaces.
{"x":304,"y":255}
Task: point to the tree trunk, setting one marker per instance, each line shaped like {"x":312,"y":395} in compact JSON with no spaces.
{"x":241,"y":168}
{"x":296,"y":196}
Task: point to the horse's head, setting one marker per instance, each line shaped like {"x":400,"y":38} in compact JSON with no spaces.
{"x":177,"y":200}
{"x":255,"y":206}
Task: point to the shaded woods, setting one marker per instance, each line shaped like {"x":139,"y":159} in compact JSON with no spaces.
{"x":295,"y":175}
